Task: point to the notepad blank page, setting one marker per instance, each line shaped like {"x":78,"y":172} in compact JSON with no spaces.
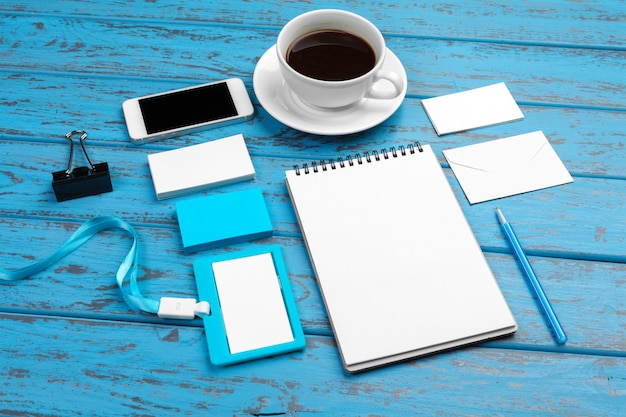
{"x":398,"y":266}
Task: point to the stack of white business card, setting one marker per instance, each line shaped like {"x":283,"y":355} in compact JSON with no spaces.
{"x":198,"y":167}
{"x":480,"y":107}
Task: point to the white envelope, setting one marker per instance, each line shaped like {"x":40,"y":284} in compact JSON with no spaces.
{"x":506,"y":167}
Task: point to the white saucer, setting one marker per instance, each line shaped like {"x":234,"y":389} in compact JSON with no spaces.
{"x":279,"y":101}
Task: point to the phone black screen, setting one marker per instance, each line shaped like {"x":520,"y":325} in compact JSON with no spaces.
{"x":187,"y":108}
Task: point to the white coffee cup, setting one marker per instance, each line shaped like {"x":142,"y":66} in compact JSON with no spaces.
{"x":335,"y":94}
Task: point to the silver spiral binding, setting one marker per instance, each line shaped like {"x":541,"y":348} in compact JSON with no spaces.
{"x":357,"y":158}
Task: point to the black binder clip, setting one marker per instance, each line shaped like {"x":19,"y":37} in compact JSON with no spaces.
{"x":82,"y":181}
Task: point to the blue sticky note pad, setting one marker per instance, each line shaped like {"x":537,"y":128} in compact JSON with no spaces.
{"x":253,"y":312}
{"x":223,"y":219}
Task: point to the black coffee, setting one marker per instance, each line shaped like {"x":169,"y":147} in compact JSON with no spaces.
{"x":331,"y":55}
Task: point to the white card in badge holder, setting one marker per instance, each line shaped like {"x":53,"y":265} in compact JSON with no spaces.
{"x":253,"y":312}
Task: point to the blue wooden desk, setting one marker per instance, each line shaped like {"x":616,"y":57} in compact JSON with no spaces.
{"x":69,"y":345}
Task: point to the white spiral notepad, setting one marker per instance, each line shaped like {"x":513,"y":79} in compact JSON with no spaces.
{"x":398,"y":266}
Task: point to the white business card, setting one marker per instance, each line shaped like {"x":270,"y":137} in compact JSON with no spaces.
{"x":480,"y":107}
{"x":194,"y":168}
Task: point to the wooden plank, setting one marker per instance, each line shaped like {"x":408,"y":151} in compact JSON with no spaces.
{"x":71,"y":367}
{"x":61,"y":103}
{"x":595,"y":22}
{"x":585,"y":294}
{"x":584,"y":218}
{"x":555,"y":75}
{"x":69,"y":64}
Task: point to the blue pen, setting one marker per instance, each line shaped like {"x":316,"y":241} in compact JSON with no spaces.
{"x":559,"y":333}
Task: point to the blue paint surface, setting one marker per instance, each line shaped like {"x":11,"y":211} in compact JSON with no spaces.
{"x":71,"y":346}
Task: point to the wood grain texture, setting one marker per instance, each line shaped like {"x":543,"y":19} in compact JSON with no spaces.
{"x":71,"y":346}
{"x":565,"y":22}
{"x":133,"y":370}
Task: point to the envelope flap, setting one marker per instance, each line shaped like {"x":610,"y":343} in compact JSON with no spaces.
{"x":507,"y":166}
{"x":510,"y":155}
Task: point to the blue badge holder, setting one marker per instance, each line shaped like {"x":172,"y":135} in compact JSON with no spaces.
{"x":215,"y":329}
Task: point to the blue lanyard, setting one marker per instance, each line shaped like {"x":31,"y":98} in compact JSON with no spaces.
{"x":126,"y":274}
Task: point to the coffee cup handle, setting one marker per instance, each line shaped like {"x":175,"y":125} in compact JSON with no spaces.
{"x":386,"y":93}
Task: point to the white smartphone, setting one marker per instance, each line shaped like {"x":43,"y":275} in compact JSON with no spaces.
{"x":187,"y":110}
